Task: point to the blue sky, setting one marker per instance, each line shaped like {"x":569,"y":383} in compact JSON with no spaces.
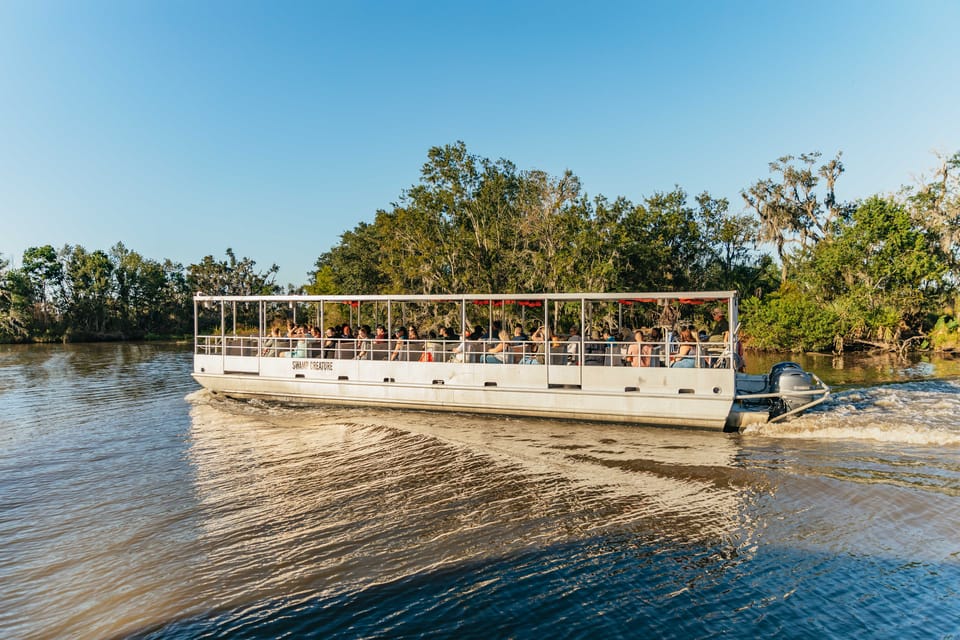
{"x":182,"y":128}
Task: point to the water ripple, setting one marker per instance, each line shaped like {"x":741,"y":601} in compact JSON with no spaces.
{"x":132,"y":504}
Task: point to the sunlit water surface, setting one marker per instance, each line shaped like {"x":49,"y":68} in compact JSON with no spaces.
{"x":133,"y":504}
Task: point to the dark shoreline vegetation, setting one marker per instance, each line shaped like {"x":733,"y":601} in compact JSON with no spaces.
{"x":879,"y":274}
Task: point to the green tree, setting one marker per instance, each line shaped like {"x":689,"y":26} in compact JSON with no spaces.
{"x":875,"y":281}
{"x":731,"y":259}
{"x":550,"y":212}
{"x":789,"y":320}
{"x":231,"y":277}
{"x":664,"y":244}
{"x":42,"y":266}
{"x":16,"y":303}
{"x":89,"y":284}
{"x":791,"y":210}
{"x":354,"y":264}
{"x":934,"y":204}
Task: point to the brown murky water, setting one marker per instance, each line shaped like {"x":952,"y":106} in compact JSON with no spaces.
{"x":134,"y":504}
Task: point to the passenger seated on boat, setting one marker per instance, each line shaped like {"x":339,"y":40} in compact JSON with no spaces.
{"x":315,"y":343}
{"x":574,"y":345}
{"x":301,"y":349}
{"x":634,"y":358}
{"x":432,"y":348}
{"x":594,"y":350}
{"x":469,"y":348}
{"x":720,"y":332}
{"x":612,"y":355}
{"x":270,"y":344}
{"x":458,"y":353}
{"x":657,"y":351}
{"x":518,"y":334}
{"x":533,"y":350}
{"x":400,"y":345}
{"x":448,"y":342}
{"x":557,"y":348}
{"x":500,"y":354}
{"x":348,"y":343}
{"x":519,"y":343}
{"x":473,"y":346}
{"x":414,"y":344}
{"x":364,"y":344}
{"x":476,"y":346}
{"x":380,"y":348}
{"x":330,"y":344}
{"x":686,"y":355}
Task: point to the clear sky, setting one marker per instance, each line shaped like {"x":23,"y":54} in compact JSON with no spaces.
{"x":185,"y":127}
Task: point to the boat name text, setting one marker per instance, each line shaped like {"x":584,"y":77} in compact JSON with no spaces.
{"x":316,"y":365}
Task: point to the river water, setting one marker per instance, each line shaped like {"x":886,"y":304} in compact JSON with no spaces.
{"x":134,"y":504}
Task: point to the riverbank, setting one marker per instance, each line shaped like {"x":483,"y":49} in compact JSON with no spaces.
{"x":80,"y":337}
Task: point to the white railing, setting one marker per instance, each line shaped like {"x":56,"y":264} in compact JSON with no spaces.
{"x":594,"y":353}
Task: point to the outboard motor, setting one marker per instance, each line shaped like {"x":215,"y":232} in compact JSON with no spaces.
{"x":786,"y":378}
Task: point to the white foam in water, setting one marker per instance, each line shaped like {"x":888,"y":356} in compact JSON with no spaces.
{"x":922,"y":413}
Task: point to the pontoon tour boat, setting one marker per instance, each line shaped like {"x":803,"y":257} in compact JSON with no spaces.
{"x":643,"y":358}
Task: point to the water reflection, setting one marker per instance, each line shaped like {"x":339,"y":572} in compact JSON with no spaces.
{"x":296,"y":499}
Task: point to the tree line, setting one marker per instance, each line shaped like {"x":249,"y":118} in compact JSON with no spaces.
{"x":815,"y":271}
{"x":73,"y":294}
{"x":881,"y":272}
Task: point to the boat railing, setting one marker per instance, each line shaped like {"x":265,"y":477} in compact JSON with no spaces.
{"x":588,"y":353}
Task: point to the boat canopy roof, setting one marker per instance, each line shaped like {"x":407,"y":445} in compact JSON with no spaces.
{"x":523,"y":299}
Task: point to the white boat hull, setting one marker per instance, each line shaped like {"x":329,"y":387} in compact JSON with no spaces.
{"x":653,"y":396}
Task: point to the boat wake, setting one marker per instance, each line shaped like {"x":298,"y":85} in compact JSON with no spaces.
{"x":917,"y":413}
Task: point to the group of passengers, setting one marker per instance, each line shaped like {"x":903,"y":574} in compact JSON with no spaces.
{"x":651,"y":347}
{"x":686,"y":347}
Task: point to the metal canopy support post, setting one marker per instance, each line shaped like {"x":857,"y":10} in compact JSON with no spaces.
{"x":547,"y":335}
{"x":583,"y":332}
{"x":261,"y":320}
{"x":223,"y":335}
{"x":196,"y":326}
{"x":733,"y":320}
{"x":489,"y":319}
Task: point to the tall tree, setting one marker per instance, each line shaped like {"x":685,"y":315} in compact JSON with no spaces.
{"x":231,"y":277}
{"x":935,"y":204}
{"x":354,"y":264}
{"x":790,"y":208}
{"x":89,"y":277}
{"x":877,"y":274}
{"x":42,"y":267}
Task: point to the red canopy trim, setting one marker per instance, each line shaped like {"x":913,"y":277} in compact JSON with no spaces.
{"x":500,"y":303}
{"x":691,"y":301}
